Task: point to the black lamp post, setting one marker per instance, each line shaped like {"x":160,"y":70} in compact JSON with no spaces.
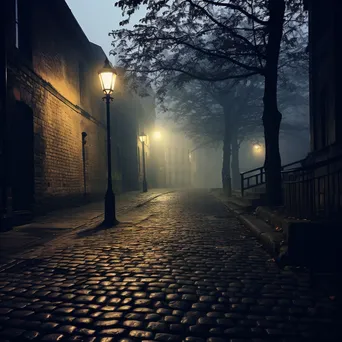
{"x":107,"y":77}
{"x":143,"y":139}
{"x":5,"y":186}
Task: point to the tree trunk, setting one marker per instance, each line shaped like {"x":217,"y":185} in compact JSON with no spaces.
{"x":235,"y":162}
{"x":226,"y":176}
{"x":271,"y":115}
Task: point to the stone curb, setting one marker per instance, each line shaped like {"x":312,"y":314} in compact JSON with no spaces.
{"x":91,"y":223}
{"x":264,"y":233}
{"x":153,"y":198}
{"x":99,"y":218}
{"x":270,"y":239}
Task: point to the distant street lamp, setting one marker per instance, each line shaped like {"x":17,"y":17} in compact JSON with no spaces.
{"x":107,"y":78}
{"x":143,"y":139}
{"x":257,"y":148}
{"x":157,"y":135}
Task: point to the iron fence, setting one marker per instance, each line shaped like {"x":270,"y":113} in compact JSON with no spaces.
{"x":257,"y":177}
{"x":313,"y":192}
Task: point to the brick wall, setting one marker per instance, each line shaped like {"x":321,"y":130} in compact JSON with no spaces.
{"x":58,"y":127}
{"x":60,"y":84}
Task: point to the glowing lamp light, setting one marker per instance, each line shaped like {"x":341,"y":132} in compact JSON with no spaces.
{"x":257,"y":148}
{"x":157,"y":135}
{"x":143,"y":137}
{"x":107,"y":78}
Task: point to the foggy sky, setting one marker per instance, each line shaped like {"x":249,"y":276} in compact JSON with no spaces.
{"x":99,"y":17}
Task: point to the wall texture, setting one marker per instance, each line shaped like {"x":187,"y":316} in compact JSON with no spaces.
{"x":59,"y":84}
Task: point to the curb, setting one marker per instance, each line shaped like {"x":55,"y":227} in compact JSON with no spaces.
{"x":264,"y":233}
{"x":152,"y":198}
{"x":270,"y":239}
{"x":91,"y":223}
{"x":99,"y":218}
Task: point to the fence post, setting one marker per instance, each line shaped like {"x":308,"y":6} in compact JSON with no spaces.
{"x":241,"y":180}
{"x":261,"y":176}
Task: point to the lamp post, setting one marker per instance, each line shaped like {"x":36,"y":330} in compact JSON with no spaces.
{"x":107,"y":78}
{"x":5,"y":186}
{"x":143,"y":139}
{"x":158,"y":147}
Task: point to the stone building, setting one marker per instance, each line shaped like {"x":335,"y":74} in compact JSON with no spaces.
{"x":132,"y":115}
{"x":325,"y":75}
{"x":177,"y":167}
{"x":315,"y":190}
{"x":56,"y":113}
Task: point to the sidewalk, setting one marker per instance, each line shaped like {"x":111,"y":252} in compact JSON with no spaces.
{"x":59,"y":222}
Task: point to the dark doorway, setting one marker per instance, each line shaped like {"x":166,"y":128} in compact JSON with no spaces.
{"x":22,"y":157}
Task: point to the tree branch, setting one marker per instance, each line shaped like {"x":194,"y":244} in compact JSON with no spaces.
{"x":225,"y":27}
{"x":194,"y":75}
{"x":238,"y":8}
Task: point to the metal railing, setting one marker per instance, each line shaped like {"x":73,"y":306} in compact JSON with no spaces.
{"x":257,"y":177}
{"x":314,"y":192}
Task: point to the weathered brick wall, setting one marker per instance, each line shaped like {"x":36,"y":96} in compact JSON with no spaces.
{"x":58,"y":127}
{"x":60,"y":83}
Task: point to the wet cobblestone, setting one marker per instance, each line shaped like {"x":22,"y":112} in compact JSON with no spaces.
{"x":189,"y":272}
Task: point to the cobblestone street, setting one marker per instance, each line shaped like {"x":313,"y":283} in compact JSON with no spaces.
{"x":181,"y":269}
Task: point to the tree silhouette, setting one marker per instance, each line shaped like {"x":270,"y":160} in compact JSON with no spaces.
{"x":240,"y":38}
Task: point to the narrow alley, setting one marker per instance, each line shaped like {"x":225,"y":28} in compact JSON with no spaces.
{"x":182,"y":268}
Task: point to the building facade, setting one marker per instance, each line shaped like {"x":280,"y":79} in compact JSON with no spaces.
{"x":314,"y":191}
{"x":132,"y":115}
{"x":177,"y":167}
{"x":55,"y":111}
{"x":325,"y":73}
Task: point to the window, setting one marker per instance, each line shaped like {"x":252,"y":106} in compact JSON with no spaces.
{"x":16,"y":18}
{"x":22,"y":30}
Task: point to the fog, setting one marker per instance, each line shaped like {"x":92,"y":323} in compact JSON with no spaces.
{"x":197,"y":147}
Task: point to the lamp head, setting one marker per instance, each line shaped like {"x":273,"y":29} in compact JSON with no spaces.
{"x":143,"y":137}
{"x":107,"y":78}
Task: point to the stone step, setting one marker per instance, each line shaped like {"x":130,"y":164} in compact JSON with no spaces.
{"x":270,"y":238}
{"x":252,"y":192}
{"x":257,"y":190}
{"x":275,"y":217}
{"x":248,"y":202}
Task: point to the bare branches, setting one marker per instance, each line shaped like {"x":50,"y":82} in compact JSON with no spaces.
{"x":238,"y":8}
{"x":207,"y":40}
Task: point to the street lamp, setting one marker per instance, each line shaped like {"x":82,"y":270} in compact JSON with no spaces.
{"x":5,"y":186}
{"x":257,"y":148}
{"x":143,"y":139}
{"x":107,"y":78}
